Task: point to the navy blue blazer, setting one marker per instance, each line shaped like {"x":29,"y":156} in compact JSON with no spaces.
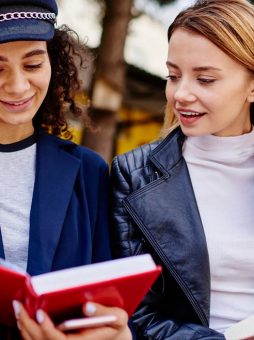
{"x":69,"y":215}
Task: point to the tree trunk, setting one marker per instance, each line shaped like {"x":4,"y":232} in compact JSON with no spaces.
{"x":109,"y":79}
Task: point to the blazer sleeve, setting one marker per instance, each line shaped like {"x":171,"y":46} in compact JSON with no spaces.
{"x":149,"y":321}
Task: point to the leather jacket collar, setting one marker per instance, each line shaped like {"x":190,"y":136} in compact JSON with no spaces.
{"x":169,"y":151}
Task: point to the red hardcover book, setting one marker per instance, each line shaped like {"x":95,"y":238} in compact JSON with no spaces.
{"x":120,"y":283}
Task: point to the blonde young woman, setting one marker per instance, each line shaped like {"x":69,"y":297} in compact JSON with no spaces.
{"x":188,"y":198}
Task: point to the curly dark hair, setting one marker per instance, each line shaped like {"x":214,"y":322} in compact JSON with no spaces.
{"x":67,"y":55}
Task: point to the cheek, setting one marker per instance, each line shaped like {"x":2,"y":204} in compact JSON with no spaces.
{"x":45,"y":79}
{"x":42,"y":88}
{"x":169,"y":92}
{"x":43,"y":84}
{"x":211,"y":97}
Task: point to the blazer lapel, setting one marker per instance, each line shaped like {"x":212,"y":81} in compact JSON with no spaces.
{"x":56,"y":171}
{"x":1,"y":246}
{"x":175,"y":231}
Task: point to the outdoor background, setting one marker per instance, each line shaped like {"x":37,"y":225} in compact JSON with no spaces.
{"x":125,"y":80}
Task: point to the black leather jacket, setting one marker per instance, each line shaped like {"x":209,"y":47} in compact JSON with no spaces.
{"x":155,"y":211}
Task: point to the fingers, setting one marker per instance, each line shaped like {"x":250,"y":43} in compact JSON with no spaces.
{"x":47,"y":328}
{"x":24,"y":322}
{"x":31,"y":330}
{"x":95,"y":309}
{"x":44,"y":329}
{"x":118,"y":330}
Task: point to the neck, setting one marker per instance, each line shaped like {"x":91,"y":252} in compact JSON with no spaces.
{"x":13,"y":134}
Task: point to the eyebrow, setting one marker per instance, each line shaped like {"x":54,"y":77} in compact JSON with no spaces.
{"x":27,"y":55}
{"x":199,"y":68}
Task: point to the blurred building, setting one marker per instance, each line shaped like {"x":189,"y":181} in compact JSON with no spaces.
{"x":140,"y":117}
{"x":142,"y":112}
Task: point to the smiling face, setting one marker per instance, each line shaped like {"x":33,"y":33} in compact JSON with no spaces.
{"x":209,"y":92}
{"x":25,"y":73}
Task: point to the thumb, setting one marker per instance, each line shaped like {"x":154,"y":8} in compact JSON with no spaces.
{"x":91,"y":309}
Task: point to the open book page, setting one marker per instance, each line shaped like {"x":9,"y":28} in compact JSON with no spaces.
{"x":241,"y":330}
{"x":97,"y":272}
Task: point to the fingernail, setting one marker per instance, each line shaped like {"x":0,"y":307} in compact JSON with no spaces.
{"x":16,"y":308}
{"x":90,"y":308}
{"x":39,"y":316}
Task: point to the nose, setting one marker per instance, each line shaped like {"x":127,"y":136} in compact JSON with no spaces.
{"x":16,"y":83}
{"x":184,"y":92}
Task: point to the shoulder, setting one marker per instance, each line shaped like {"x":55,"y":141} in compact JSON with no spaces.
{"x":88,"y":157}
{"x":135,"y":159}
{"x":141,"y":157}
{"x":133,"y":169}
{"x":145,"y":163}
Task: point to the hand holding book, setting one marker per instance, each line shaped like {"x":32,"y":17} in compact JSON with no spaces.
{"x":117,"y":329}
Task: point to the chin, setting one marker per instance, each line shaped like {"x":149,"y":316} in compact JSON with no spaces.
{"x":194,"y":132}
{"x":20,"y":119}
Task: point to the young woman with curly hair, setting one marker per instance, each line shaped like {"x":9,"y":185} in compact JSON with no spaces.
{"x":53,"y":193}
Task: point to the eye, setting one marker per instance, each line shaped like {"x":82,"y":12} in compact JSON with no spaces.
{"x":33,"y":66}
{"x":206,"y":81}
{"x":172,"y":77}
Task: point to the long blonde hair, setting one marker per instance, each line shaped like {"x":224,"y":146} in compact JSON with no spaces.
{"x":229,"y":24}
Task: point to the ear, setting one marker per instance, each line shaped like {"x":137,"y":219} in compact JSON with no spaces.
{"x":251,"y":93}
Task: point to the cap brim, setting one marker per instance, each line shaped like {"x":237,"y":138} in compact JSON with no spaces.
{"x":26,"y":29}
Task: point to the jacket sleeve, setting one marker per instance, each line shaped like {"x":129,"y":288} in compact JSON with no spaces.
{"x":150,"y":320}
{"x":150,"y":323}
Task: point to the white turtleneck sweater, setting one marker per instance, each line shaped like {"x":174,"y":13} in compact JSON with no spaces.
{"x":222,"y":174}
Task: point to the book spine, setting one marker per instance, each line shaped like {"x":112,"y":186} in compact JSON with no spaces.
{"x":31,"y":299}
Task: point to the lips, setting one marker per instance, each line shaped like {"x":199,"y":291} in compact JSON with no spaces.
{"x":189,"y":117}
{"x":16,"y":106}
{"x":16,"y":103}
{"x":190,"y":113}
